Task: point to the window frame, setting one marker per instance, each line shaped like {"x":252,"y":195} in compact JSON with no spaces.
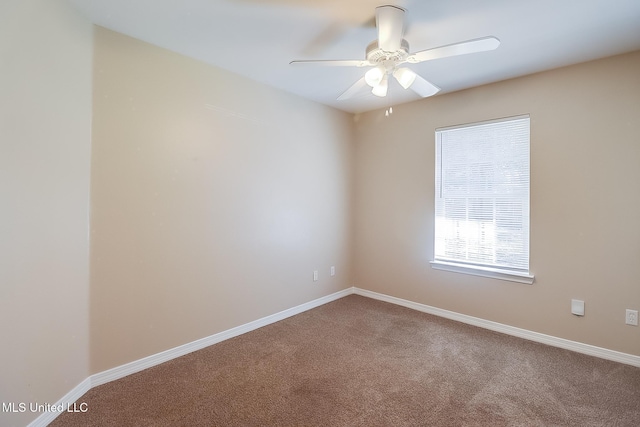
{"x":519,"y":275}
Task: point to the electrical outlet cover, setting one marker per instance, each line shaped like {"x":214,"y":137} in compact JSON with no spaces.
{"x":577,"y":307}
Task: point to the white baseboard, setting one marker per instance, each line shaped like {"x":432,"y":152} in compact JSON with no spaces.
{"x":67,"y":401}
{"x":138,"y":365}
{"x":591,"y":350}
{"x":158,"y":358}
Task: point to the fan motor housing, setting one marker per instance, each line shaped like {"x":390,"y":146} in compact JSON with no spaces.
{"x":376,"y":55}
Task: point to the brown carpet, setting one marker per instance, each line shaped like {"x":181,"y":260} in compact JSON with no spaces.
{"x":362,"y":362}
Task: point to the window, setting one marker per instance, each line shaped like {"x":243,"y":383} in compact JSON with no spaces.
{"x":482,"y":199}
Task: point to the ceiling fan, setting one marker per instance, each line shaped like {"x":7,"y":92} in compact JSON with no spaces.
{"x":391,"y":50}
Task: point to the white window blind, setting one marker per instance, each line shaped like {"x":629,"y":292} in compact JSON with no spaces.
{"x":482,"y":195}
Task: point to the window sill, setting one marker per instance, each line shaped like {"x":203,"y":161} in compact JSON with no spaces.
{"x":494,"y":273}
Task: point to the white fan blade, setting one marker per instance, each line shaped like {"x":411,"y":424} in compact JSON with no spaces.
{"x":334,"y":63}
{"x":423,"y":87}
{"x":462,"y":48}
{"x":355,"y":88}
{"x":390,"y":24}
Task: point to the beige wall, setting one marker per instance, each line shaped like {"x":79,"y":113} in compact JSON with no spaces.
{"x":213,"y":199}
{"x":585,"y":202}
{"x":45,"y":120}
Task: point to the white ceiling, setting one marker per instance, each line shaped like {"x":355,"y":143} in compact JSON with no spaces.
{"x":258,"y":38}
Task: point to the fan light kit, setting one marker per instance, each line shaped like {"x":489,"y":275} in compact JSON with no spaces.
{"x":391,"y":50}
